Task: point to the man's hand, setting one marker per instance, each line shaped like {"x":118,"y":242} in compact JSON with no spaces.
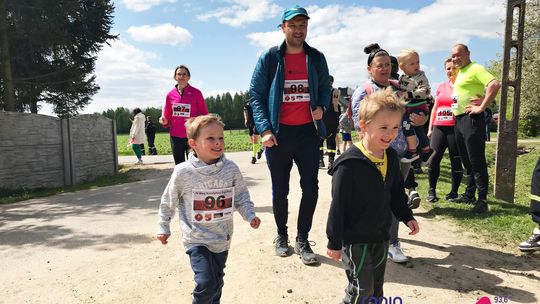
{"x":163,"y":238}
{"x":268,"y":139}
{"x":418,"y":120}
{"x":334,"y":254}
{"x":473,"y":109}
{"x":317,"y":113}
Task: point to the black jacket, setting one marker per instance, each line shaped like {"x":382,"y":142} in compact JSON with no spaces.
{"x":362,"y":203}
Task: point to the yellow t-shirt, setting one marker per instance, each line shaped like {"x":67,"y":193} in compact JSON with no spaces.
{"x":470,"y":83}
{"x":381,"y":164}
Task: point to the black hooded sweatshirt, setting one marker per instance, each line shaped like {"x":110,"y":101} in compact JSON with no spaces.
{"x":362,"y":202}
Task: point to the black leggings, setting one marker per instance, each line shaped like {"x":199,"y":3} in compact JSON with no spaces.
{"x":180,"y":149}
{"x":442,"y":138}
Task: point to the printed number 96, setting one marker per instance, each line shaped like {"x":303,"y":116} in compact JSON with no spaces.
{"x":210,"y":202}
{"x":501,"y":299}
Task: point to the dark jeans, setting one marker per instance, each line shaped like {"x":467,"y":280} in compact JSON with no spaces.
{"x":180,"y":149}
{"x":410,"y":130}
{"x":535,"y":193}
{"x":470,"y":131}
{"x":365,"y":265}
{"x":208,"y":268}
{"x":301,"y":145}
{"x":443,"y":137}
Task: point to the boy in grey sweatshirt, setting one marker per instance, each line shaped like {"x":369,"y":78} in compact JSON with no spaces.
{"x":207,"y":188}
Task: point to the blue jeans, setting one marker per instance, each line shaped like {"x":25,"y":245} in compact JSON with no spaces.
{"x":208,"y":268}
{"x":301,"y":145}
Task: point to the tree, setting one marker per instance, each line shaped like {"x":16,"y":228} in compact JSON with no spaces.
{"x":52,"y":47}
{"x":529,"y":122}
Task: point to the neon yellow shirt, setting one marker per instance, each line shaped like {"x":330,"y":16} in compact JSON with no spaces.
{"x":381,"y":164}
{"x":470,"y":83}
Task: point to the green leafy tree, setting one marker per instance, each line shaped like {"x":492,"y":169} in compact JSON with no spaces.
{"x":51,"y":47}
{"x":529,"y":120}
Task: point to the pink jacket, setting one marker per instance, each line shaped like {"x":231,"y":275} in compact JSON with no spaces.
{"x":178,"y":109}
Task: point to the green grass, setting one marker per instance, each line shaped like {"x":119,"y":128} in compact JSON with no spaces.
{"x":235,"y":140}
{"x":506,"y":224}
{"x":15,"y":195}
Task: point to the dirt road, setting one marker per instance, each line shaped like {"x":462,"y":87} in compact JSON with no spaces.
{"x":98,"y":246}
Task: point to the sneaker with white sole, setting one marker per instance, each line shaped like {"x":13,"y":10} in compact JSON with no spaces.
{"x":396,"y":255}
{"x":282,"y":245}
{"x":414,"y":199}
{"x":139,"y":162}
{"x":533,"y":243}
{"x":303,"y":248}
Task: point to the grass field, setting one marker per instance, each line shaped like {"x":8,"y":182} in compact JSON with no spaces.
{"x":235,"y":140}
{"x":505,"y":224}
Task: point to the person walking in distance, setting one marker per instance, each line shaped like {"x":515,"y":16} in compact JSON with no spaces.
{"x":289,"y":92}
{"x":150,"y":131}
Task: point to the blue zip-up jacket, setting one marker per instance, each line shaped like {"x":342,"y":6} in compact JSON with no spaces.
{"x":266,"y":91}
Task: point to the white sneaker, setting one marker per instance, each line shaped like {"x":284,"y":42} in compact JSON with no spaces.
{"x":395,"y":254}
{"x":139,"y":162}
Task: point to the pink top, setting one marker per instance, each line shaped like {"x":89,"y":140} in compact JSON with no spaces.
{"x":443,"y":105}
{"x":179,"y":108}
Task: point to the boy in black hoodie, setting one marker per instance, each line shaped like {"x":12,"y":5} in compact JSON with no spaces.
{"x":367,"y":187}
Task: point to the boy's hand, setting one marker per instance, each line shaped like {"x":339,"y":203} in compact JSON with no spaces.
{"x":413,"y":225}
{"x":334,"y":254}
{"x":163,"y":238}
{"x":255,"y":223}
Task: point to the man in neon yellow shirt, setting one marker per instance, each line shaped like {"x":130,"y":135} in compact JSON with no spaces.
{"x":474,"y":90}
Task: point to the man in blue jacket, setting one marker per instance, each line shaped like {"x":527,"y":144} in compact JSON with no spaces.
{"x":289,"y":92}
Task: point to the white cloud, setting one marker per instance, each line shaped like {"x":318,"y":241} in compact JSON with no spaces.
{"x":342,"y":32}
{"x":143,"y":5}
{"x":128,"y":80}
{"x":241,"y":12}
{"x":161,"y":34}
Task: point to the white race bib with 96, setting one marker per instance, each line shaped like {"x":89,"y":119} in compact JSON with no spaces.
{"x":214,"y":205}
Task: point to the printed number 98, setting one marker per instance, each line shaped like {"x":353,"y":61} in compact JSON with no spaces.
{"x":299,"y":88}
{"x":501,"y":299}
{"x":210,"y":202}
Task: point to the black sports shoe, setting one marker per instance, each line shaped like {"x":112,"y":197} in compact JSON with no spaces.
{"x":409,"y":157}
{"x":259,"y":154}
{"x":465,"y":199}
{"x":414,"y":199}
{"x":338,"y":152}
{"x":432,"y":196}
{"x":282,"y":245}
{"x":253,"y":160}
{"x":451,"y":197}
{"x":480,"y":206}
{"x":532,"y":243}
{"x":303,"y":248}
{"x":321,"y":163}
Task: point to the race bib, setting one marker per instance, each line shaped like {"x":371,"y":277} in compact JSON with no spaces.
{"x":296,"y":91}
{"x":455,"y":102}
{"x":211,"y":206}
{"x":181,"y":110}
{"x":444,"y":114}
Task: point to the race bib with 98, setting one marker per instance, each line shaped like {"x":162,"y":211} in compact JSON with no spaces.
{"x":211,"y":206}
{"x":296,"y":91}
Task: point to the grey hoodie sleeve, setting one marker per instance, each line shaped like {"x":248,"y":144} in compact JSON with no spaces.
{"x":169,"y":200}
{"x":242,"y":200}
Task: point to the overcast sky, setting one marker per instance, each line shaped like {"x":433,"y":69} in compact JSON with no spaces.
{"x":220,"y":41}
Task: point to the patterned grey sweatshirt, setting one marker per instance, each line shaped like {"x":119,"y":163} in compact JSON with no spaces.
{"x":206,"y":196}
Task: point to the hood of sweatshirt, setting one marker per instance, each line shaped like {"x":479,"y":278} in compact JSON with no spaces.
{"x":204,"y":168}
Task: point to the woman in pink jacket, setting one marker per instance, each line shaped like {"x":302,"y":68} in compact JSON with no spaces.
{"x":182,"y":102}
